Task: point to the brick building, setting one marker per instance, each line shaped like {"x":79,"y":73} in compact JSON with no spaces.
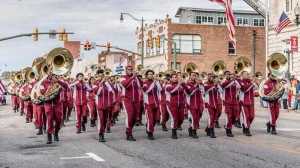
{"x":201,"y":38}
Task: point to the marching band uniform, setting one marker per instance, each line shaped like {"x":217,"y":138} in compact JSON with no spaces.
{"x":231,"y":103}
{"x":92,"y":106}
{"x":19,"y":100}
{"x":80,"y":100}
{"x":70,"y":103}
{"x":211,"y":103}
{"x":151,"y":103}
{"x":273,"y":106}
{"x":38,"y":109}
{"x":131,"y":85}
{"x":105,"y":95}
{"x":164,"y":115}
{"x":247,"y":103}
{"x":27,"y":103}
{"x":195,"y":105}
{"x":117,"y":101}
{"x":175,"y":101}
{"x":63,"y":98}
{"x":53,"y":109}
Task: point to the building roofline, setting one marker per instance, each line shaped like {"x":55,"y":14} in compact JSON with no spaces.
{"x":214,"y":10}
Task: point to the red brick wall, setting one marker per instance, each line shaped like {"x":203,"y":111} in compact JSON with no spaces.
{"x":215,"y":45}
{"x":74,"y":47}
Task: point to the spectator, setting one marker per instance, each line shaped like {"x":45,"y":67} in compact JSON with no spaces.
{"x":297,"y":97}
{"x":284,"y":97}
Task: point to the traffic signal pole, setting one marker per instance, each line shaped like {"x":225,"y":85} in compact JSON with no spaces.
{"x":31,"y":34}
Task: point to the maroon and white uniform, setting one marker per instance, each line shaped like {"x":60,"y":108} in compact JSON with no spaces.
{"x":195,"y":102}
{"x":247,"y":101}
{"x":231,"y":101}
{"x":131,"y":86}
{"x":91,"y":102}
{"x":212,"y":95}
{"x":175,"y":101}
{"x":151,"y":102}
{"x":105,"y":97}
{"x":274,"y":106}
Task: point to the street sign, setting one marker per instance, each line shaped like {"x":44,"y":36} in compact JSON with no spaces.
{"x":119,"y":70}
{"x":294,"y":43}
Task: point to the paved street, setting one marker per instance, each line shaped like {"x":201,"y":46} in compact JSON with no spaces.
{"x":21,"y":148}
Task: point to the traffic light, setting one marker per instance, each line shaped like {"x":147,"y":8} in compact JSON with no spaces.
{"x":108,"y":45}
{"x":61,"y":34}
{"x":35,"y":35}
{"x":87,"y":46}
{"x":157,"y":41}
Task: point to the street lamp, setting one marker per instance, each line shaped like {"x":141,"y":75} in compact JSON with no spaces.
{"x":142,"y":28}
{"x":297,"y":14}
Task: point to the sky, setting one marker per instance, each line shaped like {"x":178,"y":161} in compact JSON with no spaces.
{"x":93,"y":20}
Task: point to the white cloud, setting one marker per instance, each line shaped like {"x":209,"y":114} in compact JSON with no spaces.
{"x":96,"y":20}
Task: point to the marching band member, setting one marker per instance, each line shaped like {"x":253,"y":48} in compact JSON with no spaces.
{"x":92,"y":102}
{"x":139,"y":116}
{"x":53,"y":107}
{"x":70,"y":103}
{"x":164,"y":115}
{"x":105,"y":93}
{"x":3,"y":92}
{"x":230,"y":87}
{"x":175,"y":98}
{"x":117,"y":99}
{"x":195,"y":102}
{"x":131,"y":85}
{"x":274,"y":106}
{"x":63,"y":98}
{"x":80,"y":100}
{"x":211,"y":88}
{"x":19,"y":100}
{"x":151,"y":102}
{"x":247,"y":102}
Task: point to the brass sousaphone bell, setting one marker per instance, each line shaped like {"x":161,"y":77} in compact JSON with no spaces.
{"x":60,"y":61}
{"x":242,"y":64}
{"x":218,"y":68}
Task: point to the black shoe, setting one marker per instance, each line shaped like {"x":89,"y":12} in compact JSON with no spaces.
{"x":83,"y":127}
{"x":273,"y":131}
{"x":101,"y":138}
{"x":195,"y":136}
{"x":174,"y":134}
{"x":207,"y":130}
{"x":150,"y":136}
{"x":56,"y":138}
{"x":49,"y":140}
{"x":164,"y":127}
{"x":40,"y":131}
{"x":248,"y":132}
{"x":229,"y":133}
{"x":268,"y":127}
{"x":190,"y":132}
{"x":244,"y":129}
{"x":217,"y":125}
{"x":93,"y":123}
{"x":27,"y":120}
{"x":212,"y":133}
{"x":130,"y":138}
{"x":237,"y":124}
{"x":108,"y":130}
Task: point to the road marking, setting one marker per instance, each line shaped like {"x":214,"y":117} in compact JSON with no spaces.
{"x":283,"y":129}
{"x":95,"y":157}
{"x":89,"y":155}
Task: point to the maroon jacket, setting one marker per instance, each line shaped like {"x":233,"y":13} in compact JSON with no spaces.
{"x":231,"y":91}
{"x":175,"y":94}
{"x":131,"y":86}
{"x":105,"y":95}
{"x":212,"y":95}
{"x":194,"y":95}
{"x":91,"y":96}
{"x":269,"y":86}
{"x":150,"y":93}
{"x":80,"y":90}
{"x":247,"y":94}
{"x":46,"y":84}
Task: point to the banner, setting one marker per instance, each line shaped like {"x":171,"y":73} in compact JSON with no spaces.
{"x":294,"y":43}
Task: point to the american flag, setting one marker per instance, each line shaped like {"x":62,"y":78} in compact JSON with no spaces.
{"x":231,"y":22}
{"x":284,"y":21}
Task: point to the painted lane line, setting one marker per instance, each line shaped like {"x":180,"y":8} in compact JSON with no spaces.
{"x":79,"y":157}
{"x":95,"y":157}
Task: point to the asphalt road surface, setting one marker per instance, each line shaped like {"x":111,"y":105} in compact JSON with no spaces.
{"x":21,"y":148}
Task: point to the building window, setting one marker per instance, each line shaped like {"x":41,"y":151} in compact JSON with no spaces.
{"x":262,"y":22}
{"x":255,"y":22}
{"x":220,"y":20}
{"x":231,"y":49}
{"x":210,"y":19}
{"x":190,"y":44}
{"x":287,"y":5}
{"x":245,"y":22}
{"x":198,"y":19}
{"x":239,"y":21}
{"x":204,"y":19}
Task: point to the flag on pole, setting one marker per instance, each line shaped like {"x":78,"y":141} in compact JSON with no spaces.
{"x":231,"y":22}
{"x":284,"y":21}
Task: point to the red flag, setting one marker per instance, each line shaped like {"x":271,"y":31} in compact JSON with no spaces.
{"x":231,"y":23}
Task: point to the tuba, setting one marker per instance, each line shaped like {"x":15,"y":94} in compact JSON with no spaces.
{"x":218,"y":67}
{"x":277,"y":66}
{"x":59,"y":62}
{"x":242,"y":64}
